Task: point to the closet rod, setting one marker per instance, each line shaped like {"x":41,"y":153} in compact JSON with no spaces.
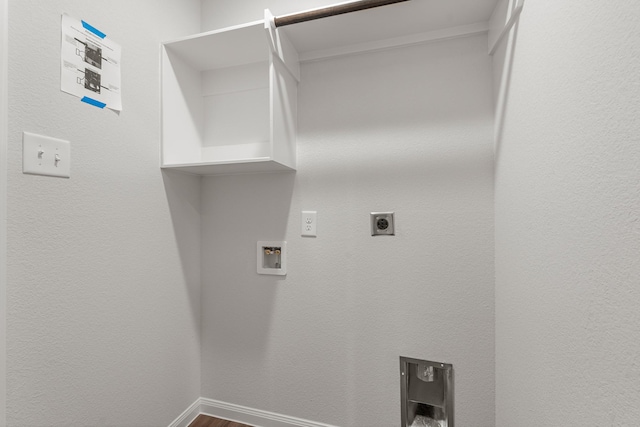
{"x":325,"y":12}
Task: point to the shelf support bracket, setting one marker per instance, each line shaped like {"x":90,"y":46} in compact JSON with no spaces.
{"x":280,"y":46}
{"x":498,"y":28}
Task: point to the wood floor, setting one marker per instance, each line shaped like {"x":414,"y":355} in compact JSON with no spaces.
{"x":207,"y":421}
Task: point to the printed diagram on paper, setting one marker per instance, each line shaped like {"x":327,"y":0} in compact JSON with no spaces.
{"x":90,"y":64}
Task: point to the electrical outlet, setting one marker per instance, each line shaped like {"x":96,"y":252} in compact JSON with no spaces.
{"x":382,"y":224}
{"x":309,"y":224}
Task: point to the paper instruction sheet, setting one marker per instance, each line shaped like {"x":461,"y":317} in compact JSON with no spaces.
{"x":89,"y":64}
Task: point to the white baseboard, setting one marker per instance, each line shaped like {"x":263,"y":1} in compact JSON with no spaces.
{"x":188,"y":415}
{"x":240,"y":414}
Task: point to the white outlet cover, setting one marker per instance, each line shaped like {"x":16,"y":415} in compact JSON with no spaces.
{"x":43,"y":155}
{"x":309,"y":224}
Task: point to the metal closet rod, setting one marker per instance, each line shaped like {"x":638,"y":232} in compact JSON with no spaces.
{"x":325,"y":12}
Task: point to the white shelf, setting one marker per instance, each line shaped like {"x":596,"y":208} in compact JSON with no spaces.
{"x":229,"y":101}
{"x":229,"y":168}
{"x":229,"y":96}
{"x":398,"y":24}
{"x":228,"y":47}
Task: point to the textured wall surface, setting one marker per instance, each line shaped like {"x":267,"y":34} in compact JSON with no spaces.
{"x":103,"y":268}
{"x":407,"y":130}
{"x":568,"y":219}
{"x":3,"y":209}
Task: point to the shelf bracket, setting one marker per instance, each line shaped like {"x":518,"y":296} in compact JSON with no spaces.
{"x":498,"y":28}
{"x":280,"y":46}
{"x":270,"y":28}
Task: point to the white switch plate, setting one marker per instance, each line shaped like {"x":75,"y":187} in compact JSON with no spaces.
{"x":43,"y":155}
{"x":308,"y":223}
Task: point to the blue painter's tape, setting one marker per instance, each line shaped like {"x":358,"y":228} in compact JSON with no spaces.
{"x":93,"y":102}
{"x":94,"y":30}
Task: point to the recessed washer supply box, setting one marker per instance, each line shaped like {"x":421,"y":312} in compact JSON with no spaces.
{"x":272,"y":258}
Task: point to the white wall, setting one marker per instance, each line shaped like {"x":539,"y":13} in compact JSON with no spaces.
{"x":3,"y":210}
{"x":103,"y":283}
{"x":568,"y":219}
{"x":224,"y":13}
{"x":407,"y":130}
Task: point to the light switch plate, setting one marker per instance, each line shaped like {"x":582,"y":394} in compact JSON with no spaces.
{"x":43,"y":155}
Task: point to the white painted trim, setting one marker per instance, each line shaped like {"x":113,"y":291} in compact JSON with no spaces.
{"x":188,"y":415}
{"x":240,"y":414}
{"x":4,"y":15}
{"x":447,"y":33}
{"x":254,"y":417}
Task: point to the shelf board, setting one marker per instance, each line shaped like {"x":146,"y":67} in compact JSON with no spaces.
{"x":228,"y":47}
{"x":227,"y":168}
{"x":395,"y":24}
